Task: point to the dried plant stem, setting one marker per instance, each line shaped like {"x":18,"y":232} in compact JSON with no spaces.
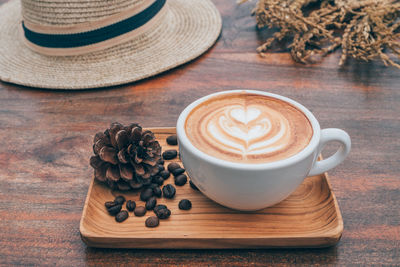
{"x":365,"y":29}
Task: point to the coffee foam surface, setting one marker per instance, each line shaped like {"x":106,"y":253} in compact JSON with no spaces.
{"x":248,"y":128}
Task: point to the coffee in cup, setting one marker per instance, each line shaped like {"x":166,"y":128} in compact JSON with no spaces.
{"x":248,"y":128}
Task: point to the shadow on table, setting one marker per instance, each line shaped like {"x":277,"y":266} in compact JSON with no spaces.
{"x":95,"y":256}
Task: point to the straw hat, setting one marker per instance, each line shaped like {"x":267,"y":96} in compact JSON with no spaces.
{"x":77,"y":44}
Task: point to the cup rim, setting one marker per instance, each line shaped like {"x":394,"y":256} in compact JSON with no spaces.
{"x":305,"y":152}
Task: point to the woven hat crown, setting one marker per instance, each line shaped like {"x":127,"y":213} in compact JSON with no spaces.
{"x":58,"y":28}
{"x":66,"y":12}
{"x":80,"y":44}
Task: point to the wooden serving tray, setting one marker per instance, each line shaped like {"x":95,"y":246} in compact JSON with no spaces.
{"x":310,"y":217}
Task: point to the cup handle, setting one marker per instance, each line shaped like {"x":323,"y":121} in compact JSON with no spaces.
{"x":331,"y":135}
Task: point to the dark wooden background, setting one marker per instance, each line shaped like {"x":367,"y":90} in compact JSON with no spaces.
{"x":46,"y":138}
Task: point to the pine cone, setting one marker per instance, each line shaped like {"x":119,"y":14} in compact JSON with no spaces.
{"x":125,"y":157}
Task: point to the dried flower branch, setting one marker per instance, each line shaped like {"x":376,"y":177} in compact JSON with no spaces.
{"x":365,"y":29}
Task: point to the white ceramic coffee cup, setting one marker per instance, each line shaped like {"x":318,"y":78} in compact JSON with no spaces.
{"x":256,"y":186}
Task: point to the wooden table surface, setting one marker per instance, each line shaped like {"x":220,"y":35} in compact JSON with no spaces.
{"x":46,"y":139}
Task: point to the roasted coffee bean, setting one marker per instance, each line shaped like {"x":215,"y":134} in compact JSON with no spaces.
{"x":178,"y":171}
{"x":157,"y":191}
{"x":151,"y":203}
{"x":110,"y":204}
{"x":130,"y":205}
{"x":185,"y":204}
{"x":119,"y":200}
{"x":169,"y":191}
{"x":121,"y":216}
{"x":192,"y":185}
{"x":161,"y":161}
{"x":146,"y":194}
{"x":170,"y":154}
{"x":114,"y":209}
{"x":152,"y":221}
{"x":172,"y":166}
{"x":159,"y":207}
{"x":140,"y":211}
{"x":180,"y":179}
{"x":172,"y":140}
{"x":163,"y":213}
{"x":160,"y":167}
{"x":165,"y":174}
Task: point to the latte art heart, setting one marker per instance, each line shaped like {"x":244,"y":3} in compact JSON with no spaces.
{"x":248,"y":131}
{"x":248,"y":128}
{"x":244,"y":115}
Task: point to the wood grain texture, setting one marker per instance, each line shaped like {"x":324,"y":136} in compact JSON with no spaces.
{"x":46,"y":141}
{"x":309,"y":217}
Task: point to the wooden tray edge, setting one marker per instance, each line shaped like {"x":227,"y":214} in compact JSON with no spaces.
{"x":337,"y":232}
{"x":82,"y":230}
{"x":207,"y":243}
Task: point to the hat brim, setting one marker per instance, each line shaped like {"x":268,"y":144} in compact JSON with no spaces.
{"x":187,"y":30}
